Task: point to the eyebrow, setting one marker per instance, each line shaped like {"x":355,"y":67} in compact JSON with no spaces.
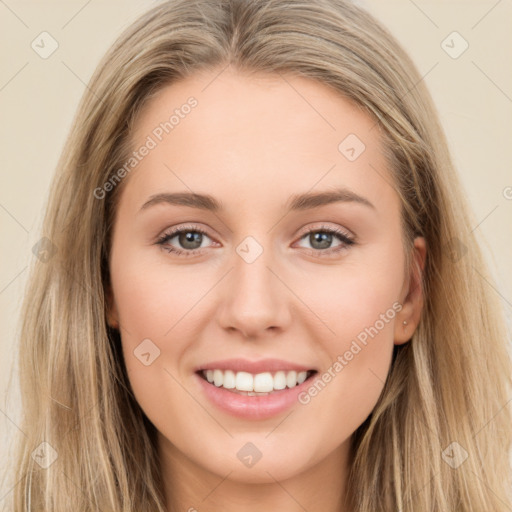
{"x":296,"y":202}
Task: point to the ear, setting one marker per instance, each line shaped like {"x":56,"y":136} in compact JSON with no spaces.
{"x":412,"y":295}
{"x":111,"y":313}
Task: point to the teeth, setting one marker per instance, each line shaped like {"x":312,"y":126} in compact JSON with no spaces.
{"x":301,"y":377}
{"x":228,"y":380}
{"x":291,"y":379}
{"x":263,"y":383}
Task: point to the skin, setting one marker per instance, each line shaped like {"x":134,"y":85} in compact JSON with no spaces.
{"x":252,"y":142}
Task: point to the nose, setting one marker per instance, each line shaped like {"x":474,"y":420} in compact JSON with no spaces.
{"x":254,"y":299}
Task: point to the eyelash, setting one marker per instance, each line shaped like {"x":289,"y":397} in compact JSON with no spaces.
{"x":346,"y":240}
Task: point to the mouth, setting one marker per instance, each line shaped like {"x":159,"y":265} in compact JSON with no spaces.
{"x":255,"y":384}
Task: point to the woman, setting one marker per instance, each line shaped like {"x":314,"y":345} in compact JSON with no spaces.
{"x":251,"y":372}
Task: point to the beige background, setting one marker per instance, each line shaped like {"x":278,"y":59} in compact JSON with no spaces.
{"x":38,"y":98}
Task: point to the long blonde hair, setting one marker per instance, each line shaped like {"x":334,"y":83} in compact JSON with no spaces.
{"x":446,"y":395}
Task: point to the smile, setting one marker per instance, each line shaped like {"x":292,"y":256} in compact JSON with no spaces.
{"x":259,"y":384}
{"x":253,"y":396}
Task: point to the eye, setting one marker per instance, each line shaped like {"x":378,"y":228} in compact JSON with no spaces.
{"x":321,"y":240}
{"x":189,"y":237}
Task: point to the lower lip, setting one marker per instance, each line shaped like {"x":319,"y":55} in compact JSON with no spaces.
{"x":253,"y":407}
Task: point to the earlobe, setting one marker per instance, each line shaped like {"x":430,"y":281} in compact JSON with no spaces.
{"x":412,"y":304}
{"x":111,"y":312}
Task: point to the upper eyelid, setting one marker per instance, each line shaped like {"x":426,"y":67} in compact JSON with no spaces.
{"x":333,"y":229}
{"x":336,"y":231}
{"x":305,"y":231}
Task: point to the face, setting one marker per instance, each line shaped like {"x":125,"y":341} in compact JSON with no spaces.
{"x":316,"y":282}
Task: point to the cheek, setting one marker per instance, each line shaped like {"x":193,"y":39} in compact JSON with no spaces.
{"x":354,"y":298}
{"x":151,"y":296}
{"x":359,"y":312}
{"x":159,"y":308}
{"x":357,"y":364}
{"x":150,"y":300}
{"x":359,"y":304}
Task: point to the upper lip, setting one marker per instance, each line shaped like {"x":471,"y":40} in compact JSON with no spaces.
{"x":255,"y":367}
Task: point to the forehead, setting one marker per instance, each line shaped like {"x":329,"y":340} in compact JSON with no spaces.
{"x":259,"y":139}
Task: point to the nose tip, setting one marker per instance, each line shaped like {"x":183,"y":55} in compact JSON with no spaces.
{"x":253,"y":301}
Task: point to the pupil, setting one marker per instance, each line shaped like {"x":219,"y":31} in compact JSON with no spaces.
{"x":323,"y":238}
{"x":190,"y":237}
